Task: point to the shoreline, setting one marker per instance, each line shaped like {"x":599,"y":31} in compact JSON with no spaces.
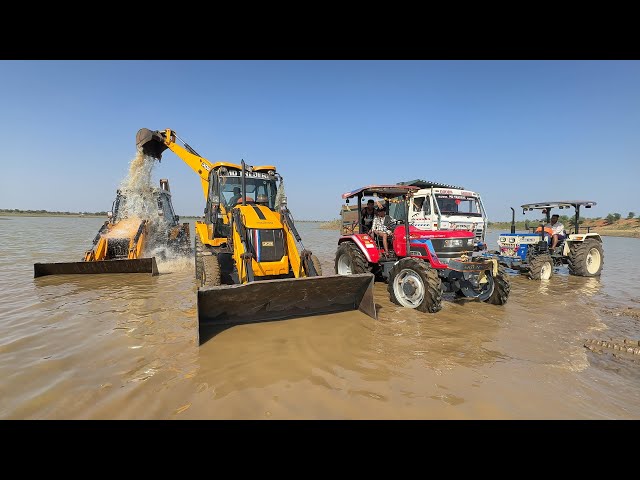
{"x":327,"y":225}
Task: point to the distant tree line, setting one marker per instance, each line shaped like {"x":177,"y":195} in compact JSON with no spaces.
{"x":570,"y":220}
{"x":44,"y":212}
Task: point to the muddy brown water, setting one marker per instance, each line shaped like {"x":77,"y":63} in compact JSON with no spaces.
{"x":126,"y":346}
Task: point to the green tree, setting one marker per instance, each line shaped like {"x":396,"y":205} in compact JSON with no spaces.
{"x":617,"y":216}
{"x":631,"y":215}
{"x":610,"y":219}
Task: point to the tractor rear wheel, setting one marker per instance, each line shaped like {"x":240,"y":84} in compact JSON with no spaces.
{"x":540,"y":267}
{"x":414,"y":284}
{"x":350,"y":260}
{"x":586,"y":258}
{"x":501,"y":288}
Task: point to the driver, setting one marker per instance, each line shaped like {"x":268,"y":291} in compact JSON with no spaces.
{"x":557,"y":230}
{"x":236,"y":196}
{"x":381,"y":227}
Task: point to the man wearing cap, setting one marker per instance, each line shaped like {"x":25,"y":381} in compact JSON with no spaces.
{"x":381,"y":227}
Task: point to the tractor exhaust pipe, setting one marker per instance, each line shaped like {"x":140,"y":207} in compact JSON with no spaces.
{"x":513,"y":220}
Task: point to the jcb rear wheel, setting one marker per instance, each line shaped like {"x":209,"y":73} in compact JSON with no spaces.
{"x":586,"y":258}
{"x":350,"y":260}
{"x":414,"y":284}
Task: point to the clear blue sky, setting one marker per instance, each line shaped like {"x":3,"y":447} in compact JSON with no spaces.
{"x":515,"y":131}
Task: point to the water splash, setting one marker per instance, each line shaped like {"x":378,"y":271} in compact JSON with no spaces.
{"x":138,"y":190}
{"x":139,"y":202}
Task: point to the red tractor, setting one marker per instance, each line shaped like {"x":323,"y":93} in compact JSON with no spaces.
{"x":421,"y":265}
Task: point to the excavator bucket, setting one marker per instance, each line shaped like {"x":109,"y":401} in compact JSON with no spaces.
{"x":150,"y":142}
{"x":140,"y":265}
{"x":285,"y":298}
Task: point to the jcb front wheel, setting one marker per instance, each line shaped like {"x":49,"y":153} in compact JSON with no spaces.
{"x":414,"y":284}
{"x":316,"y":264}
{"x":198,"y":248}
{"x":350,"y":260}
{"x":210,"y":271}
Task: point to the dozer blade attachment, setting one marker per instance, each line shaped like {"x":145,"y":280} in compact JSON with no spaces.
{"x":151,"y":143}
{"x":140,"y":265}
{"x":267,"y":300}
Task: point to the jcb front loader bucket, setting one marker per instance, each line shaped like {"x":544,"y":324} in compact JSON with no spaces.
{"x":287,"y":298}
{"x":140,"y":265}
{"x":150,"y":142}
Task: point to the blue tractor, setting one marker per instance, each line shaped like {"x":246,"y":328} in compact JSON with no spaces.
{"x":532,"y":254}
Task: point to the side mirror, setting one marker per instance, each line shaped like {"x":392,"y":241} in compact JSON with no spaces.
{"x":109,"y":214}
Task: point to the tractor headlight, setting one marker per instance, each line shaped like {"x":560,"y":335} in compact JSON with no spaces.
{"x":453,"y":243}
{"x":512,"y":240}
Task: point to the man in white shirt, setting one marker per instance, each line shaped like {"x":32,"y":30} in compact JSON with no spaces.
{"x":381,"y":227}
{"x":558,"y":231}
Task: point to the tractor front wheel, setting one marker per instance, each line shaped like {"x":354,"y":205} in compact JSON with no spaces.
{"x":586,"y":258}
{"x":540,"y":267}
{"x":501,"y":288}
{"x":414,"y":284}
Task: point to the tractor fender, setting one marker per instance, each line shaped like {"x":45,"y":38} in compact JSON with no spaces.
{"x":578,"y":238}
{"x":365,"y":243}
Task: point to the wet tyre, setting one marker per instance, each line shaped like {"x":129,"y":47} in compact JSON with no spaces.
{"x":501,"y":288}
{"x":540,"y":267}
{"x":210,"y":271}
{"x":350,"y":260}
{"x":198,"y":250}
{"x":207,"y":266}
{"x":414,"y":284}
{"x":316,"y":264}
{"x":586,"y":258}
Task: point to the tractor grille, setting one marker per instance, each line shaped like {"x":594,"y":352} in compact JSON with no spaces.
{"x":117,"y":248}
{"x":266,"y":244}
{"x":452,"y":247}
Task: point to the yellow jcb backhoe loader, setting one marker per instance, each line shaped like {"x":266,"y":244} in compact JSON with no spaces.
{"x":122,"y":240}
{"x":250,"y":264}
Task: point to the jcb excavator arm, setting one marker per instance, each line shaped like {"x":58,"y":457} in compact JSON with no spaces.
{"x":153,"y":143}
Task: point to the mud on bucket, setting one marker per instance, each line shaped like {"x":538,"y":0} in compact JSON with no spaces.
{"x":151,"y":143}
